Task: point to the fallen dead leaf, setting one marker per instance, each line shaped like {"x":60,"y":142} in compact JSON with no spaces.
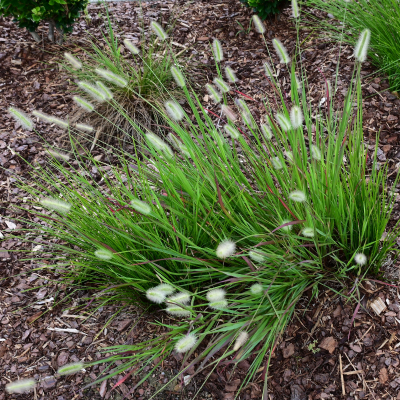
{"x":329,"y":344}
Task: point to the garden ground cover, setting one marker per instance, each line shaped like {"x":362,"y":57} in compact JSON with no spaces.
{"x":298,"y":370}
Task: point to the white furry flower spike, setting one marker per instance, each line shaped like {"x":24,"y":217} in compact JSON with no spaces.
{"x":159,"y":144}
{"x":256,"y":256}
{"x":108,"y":95}
{"x":185,"y":343}
{"x":260,"y":28}
{"x":360,"y":259}
{"x":213,"y":93}
{"x":281,"y":51}
{"x":283,"y":122}
{"x":21,"y":386}
{"x":180,"y":298}
{"x":242,"y":338}
{"x":111,"y":77}
{"x":21,"y":117}
{"x":174,"y":110}
{"x":232,"y":132}
{"x":218,"y":304}
{"x":228,"y":112}
{"x":103,"y":254}
{"x":141,"y":207}
{"x":308,"y":231}
{"x":298,"y":196}
{"x":315,"y":152}
{"x":296,"y":117}
{"x":226,"y":249}
{"x":42,"y":116}
{"x":230,"y":75}
{"x":268,"y":70}
{"x":60,"y":122}
{"x":216,"y":295}
{"x":295,"y":9}
{"x":81,"y":102}
{"x":56,"y":205}
{"x":75,"y":62}
{"x":58,"y":155}
{"x":155,"y":295}
{"x":256,"y":289}
{"x":178,"y":76}
{"x":165,"y":288}
{"x":221,"y":85}
{"x":84,"y":128}
{"x":286,"y":228}
{"x":158,"y":30}
{"x":93,"y":91}
{"x":361,"y":49}
{"x":131,"y":47}
{"x":266,"y":131}
{"x":217,"y":49}
{"x":276,"y":162}
{"x":70,"y":369}
{"x":178,"y":311}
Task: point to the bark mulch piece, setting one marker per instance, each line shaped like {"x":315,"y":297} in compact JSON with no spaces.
{"x":323,"y":354}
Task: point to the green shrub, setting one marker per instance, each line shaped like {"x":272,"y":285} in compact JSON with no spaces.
{"x":240,"y":216}
{"x":29,"y":13}
{"x":265,"y":8}
{"x":382,"y":18}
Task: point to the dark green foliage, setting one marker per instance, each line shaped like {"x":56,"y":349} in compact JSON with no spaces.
{"x":264,"y":8}
{"x":28,"y":13}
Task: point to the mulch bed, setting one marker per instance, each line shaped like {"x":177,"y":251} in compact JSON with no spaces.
{"x":323,"y":354}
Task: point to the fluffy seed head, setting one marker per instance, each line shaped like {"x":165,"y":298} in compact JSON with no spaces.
{"x":58,"y":155}
{"x":174,"y":110}
{"x":155,"y":295}
{"x":141,"y":207}
{"x":281,"y":51}
{"x":260,"y":28}
{"x":217,"y":49}
{"x":219,"y":304}
{"x":230,"y":75}
{"x":298,"y":196}
{"x":131,"y":47}
{"x":296,"y":117}
{"x":266,"y":131}
{"x":56,"y":205}
{"x":81,"y":102}
{"x":256,"y":289}
{"x":178,"y":76}
{"x":276,"y":162}
{"x":179,"y":145}
{"x":221,"y":85}
{"x":93,"y":91}
{"x":268,"y":70}
{"x":155,"y":141}
{"x":360,"y":259}
{"x":283,"y":122}
{"x":256,"y":256}
{"x":242,"y":105}
{"x":297,"y":84}
{"x":84,"y":128}
{"x":158,"y":30}
{"x":111,"y":77}
{"x":286,"y":228}
{"x":213,"y":93}
{"x":75,"y":62}
{"x":241,"y":340}
{"x":289,"y":156}
{"x":232,"y":132}
{"x":248,"y":119}
{"x":165,"y":288}
{"x":70,"y":369}
{"x":228,"y":112}
{"x":185,"y":343}
{"x":178,"y":311}
{"x":21,"y":386}
{"x":361,"y":49}
{"x":180,"y":298}
{"x":308,"y":231}
{"x":315,"y":152}
{"x":60,"y":122}
{"x":295,"y":9}
{"x":103,"y":254}
{"x":42,"y":116}
{"x":21,"y":117}
{"x":226,"y":249}
{"x":108,"y":95}
{"x":216,"y":295}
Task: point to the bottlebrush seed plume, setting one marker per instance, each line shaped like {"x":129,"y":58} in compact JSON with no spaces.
{"x":228,"y":112}
{"x":84,"y":128}
{"x":75,"y":62}
{"x":230,"y":75}
{"x":268,"y":70}
{"x":21,"y":117}
{"x":141,"y":206}
{"x":178,"y":311}
{"x":213,"y":93}
{"x":108,"y":95}
{"x":158,"y":30}
{"x":131,"y":47}
{"x":216,"y":295}
{"x":286,"y":228}
{"x":174,"y":110}
{"x":307,"y":231}
{"x":103,"y":254}
{"x":111,"y":77}
{"x":296,"y":117}
{"x":226,"y":249}
{"x":360,"y":259}
{"x":21,"y":386}
{"x":42,"y":116}
{"x":58,"y":155}
{"x":60,"y":122}
{"x":260,"y":28}
{"x":178,"y":76}
{"x":266,"y":131}
{"x":248,"y":119}
{"x":281,"y":51}
{"x":70,"y":369}
{"x":295,"y":9}
{"x":276,"y":162}
{"x":180,"y":298}
{"x":218,"y":305}
{"x":242,"y":104}
{"x":256,"y":289}
{"x":316,"y":153}
{"x":93,"y":91}
{"x":179,"y":145}
{"x":81,"y":102}
{"x":155,"y":141}
{"x":256,"y":256}
{"x":185,"y":343}
{"x":232,"y":132}
{"x":241,"y":340}
{"x":297,"y":84}
{"x":165,"y":288}
{"x":217,"y":50}
{"x":56,"y":205}
{"x":361,"y":49}
{"x":289,"y":156}
{"x":298,"y":196}
{"x":283,"y":122}
{"x":221,"y":85}
{"x":155,"y":295}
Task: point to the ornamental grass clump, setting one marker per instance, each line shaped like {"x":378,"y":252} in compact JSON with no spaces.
{"x":232,"y":231}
